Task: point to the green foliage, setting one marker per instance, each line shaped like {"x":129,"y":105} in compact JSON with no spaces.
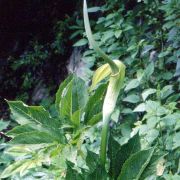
{"x":145,"y":127}
{"x":41,"y":140}
{"x":135,"y":165}
{"x":27,"y":67}
{"x":3,"y":125}
{"x":119,"y":154}
{"x":5,"y":159}
{"x":47,"y":136}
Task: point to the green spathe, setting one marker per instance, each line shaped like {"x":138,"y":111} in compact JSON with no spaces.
{"x":115,"y":84}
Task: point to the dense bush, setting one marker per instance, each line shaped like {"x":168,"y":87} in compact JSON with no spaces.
{"x":144,"y":128}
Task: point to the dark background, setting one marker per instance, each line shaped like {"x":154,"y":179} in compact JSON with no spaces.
{"x":22,"y":22}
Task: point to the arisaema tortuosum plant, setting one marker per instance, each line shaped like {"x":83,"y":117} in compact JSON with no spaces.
{"x":115,"y":70}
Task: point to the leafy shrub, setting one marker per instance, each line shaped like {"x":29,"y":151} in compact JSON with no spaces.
{"x":40,"y":144}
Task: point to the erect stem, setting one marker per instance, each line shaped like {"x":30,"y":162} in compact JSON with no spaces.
{"x":104,"y":140}
{"x":92,"y":42}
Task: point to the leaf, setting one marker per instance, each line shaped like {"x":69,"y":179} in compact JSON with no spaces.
{"x":107,"y":35}
{"x":36,"y":125}
{"x":95,"y":119}
{"x":147,"y":92}
{"x":34,"y":137}
{"x":98,"y":174}
{"x":21,"y":167}
{"x":132,"y":98}
{"x":23,"y":149}
{"x":113,"y":48}
{"x":110,"y":16}
{"x":76,"y":33}
{"x":176,"y":142}
{"x":177,"y":73}
{"x":155,"y":108}
{"x":20,"y":112}
{"x":136,"y":164}
{"x":95,"y":172}
{"x":3,"y":124}
{"x":65,"y":104}
{"x":146,"y":49}
{"x":119,"y":154}
{"x":132,"y":47}
{"x":171,"y":177}
{"x":127,"y":111}
{"x":79,"y":94}
{"x":60,"y":90}
{"x":94,"y":9}
{"x":152,"y":167}
{"x":76,"y":117}
{"x":171,"y":119}
{"x":140,"y":108}
{"x":115,"y":115}
{"x":89,"y":61}
{"x":152,"y":134}
{"x":81,"y":42}
{"x":71,"y":98}
{"x":21,"y":129}
{"x":134,"y":83}
{"x":94,"y":104}
{"x":72,"y":173}
{"x":118,"y":33}
{"x":12,"y":169}
{"x":92,"y":160}
{"x":166,"y":75}
{"x":113,"y":147}
{"x":148,"y":71}
{"x":24,"y":114}
{"x":166,"y":91}
{"x":163,"y":54}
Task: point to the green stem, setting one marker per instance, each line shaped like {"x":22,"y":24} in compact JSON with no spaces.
{"x":104,"y":140}
{"x":92,"y":42}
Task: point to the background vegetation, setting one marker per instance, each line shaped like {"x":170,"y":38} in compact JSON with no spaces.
{"x":144,"y":34}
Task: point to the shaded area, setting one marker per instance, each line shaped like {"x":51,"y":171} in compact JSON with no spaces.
{"x":25,"y":20}
{"x":24,"y":26}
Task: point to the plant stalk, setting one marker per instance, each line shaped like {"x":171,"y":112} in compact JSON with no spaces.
{"x":92,"y":42}
{"x":104,"y":140}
